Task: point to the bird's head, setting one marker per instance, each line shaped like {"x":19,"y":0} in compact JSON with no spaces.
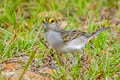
{"x":49,"y":23}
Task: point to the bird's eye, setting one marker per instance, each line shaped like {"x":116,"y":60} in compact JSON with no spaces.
{"x":51,"y":20}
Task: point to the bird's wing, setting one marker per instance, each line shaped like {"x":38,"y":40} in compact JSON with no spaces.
{"x":70,"y":35}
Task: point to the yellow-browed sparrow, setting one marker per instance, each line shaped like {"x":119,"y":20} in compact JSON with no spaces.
{"x":66,"y":40}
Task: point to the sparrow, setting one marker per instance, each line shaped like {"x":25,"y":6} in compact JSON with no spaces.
{"x":66,"y":40}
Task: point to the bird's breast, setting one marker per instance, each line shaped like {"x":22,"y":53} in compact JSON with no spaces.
{"x":53,"y":37}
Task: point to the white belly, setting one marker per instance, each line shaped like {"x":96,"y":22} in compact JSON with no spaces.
{"x":76,"y":44}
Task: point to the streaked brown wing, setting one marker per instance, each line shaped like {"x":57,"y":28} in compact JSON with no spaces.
{"x":70,"y":35}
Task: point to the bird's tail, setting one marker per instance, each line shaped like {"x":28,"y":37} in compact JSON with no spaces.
{"x":97,"y":32}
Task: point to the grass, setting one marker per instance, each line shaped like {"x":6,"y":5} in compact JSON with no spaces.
{"x":21,"y":27}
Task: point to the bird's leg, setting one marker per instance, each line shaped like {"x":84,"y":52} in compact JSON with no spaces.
{"x":89,"y":56}
{"x":82,"y":52}
{"x":48,"y":50}
{"x":54,"y":51}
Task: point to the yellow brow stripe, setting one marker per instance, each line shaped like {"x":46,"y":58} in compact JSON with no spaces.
{"x":44,"y":20}
{"x":51,"y":19}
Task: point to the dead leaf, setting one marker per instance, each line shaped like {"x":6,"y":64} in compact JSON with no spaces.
{"x":12,"y":38}
{"x":63,"y":24}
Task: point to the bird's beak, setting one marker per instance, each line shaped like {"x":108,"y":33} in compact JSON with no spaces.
{"x":46,"y":23}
